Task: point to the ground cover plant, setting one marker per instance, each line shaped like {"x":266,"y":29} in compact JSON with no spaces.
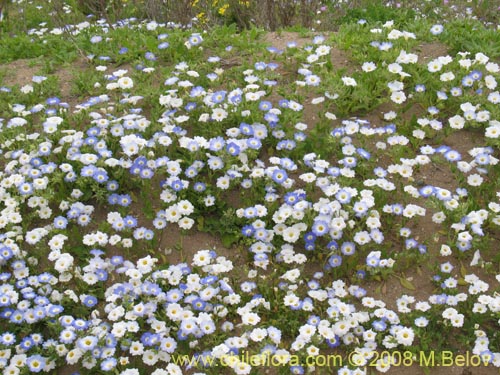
{"x":204,"y":196}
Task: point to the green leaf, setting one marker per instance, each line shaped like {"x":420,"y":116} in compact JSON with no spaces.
{"x":228,"y":239}
{"x":463,"y":271}
{"x":201,"y":223}
{"x":406,"y":284}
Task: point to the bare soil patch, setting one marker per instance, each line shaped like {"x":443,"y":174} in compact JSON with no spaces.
{"x":280,"y":40}
{"x":20,"y":72}
{"x":430,"y":51}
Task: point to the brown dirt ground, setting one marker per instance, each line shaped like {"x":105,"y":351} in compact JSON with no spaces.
{"x":280,"y":40}
{"x":429,"y":51}
{"x":20,"y":73}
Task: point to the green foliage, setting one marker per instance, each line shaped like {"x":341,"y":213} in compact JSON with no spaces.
{"x":374,"y":12}
{"x":472,"y":36}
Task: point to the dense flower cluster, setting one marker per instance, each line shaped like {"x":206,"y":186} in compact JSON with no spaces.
{"x":77,"y":287}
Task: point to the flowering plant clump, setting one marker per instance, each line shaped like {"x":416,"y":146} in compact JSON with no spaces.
{"x":390,"y":184}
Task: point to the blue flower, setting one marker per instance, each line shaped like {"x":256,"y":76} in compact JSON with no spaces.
{"x":361,"y":274}
{"x":150,"y":56}
{"x":6,"y":253}
{"x":343,"y":196}
{"x":411,"y":243}
{"x":464,"y":245}
{"x":363,"y":153}
{"x":102,"y":275}
{"x":124,"y":200}
{"x":372,"y":261}
{"x":174,"y":295}
{"x":7,"y":339}
{"x":146,"y":173}
{"x":452,"y":156}
{"x":297,"y":370}
{"x":53,"y":101}
{"x":16,"y":317}
{"x":212,"y":76}
{"x":80,"y":324}
{"x":100,"y":176}
{"x":260,"y":65}
{"x":89,"y":301}
{"x":309,"y":245}
{"x":67,"y":336}
{"x":195,"y":39}
{"x":379,"y":325}
{"x":25,"y":188}
{"x":108,"y":364}
{"x":54,"y":310}
{"x":150,"y":339}
{"x":348,"y":248}
{"x":27,"y":343}
{"x":218,"y":97}
{"x":335,"y":261}
{"x":279,"y":176}
{"x":427,"y":191}
{"x":309,"y":237}
{"x":198,"y":304}
{"x":199,"y":187}
{"x":320,"y":227}
{"x":291,"y":198}
{"x":233,"y":149}
{"x":334,"y":342}
{"x":246,"y":129}
{"x":35,"y":363}
{"x":87,"y":343}
{"x":248,"y":230}
{"x":260,"y":257}
{"x":265,"y":105}
{"x":476,"y":75}
{"x":110,"y":341}
{"x":420,"y":88}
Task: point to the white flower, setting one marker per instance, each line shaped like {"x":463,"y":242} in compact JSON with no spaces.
{"x":26,"y":89}
{"x":250,"y":318}
{"x":493,"y":131}
{"x":476,"y":258}
{"x":368,"y":66}
{"x":405,"y":336}
{"x":218,"y":114}
{"x":395,"y":68}
{"x":418,"y":133}
{"x":437,"y":29}
{"x":448,"y":76}
{"x":323,"y":50}
{"x":474,"y":180}
{"x":383,"y":364}
{"x":125,"y":83}
{"x":64,"y":262}
{"x":398,"y":97}
{"x":456,"y":122}
{"x":434,"y":66}
{"x":186,"y":223}
{"x":481,"y":58}
{"x":349,"y":81}
{"x":291,"y":234}
{"x":202,"y":258}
